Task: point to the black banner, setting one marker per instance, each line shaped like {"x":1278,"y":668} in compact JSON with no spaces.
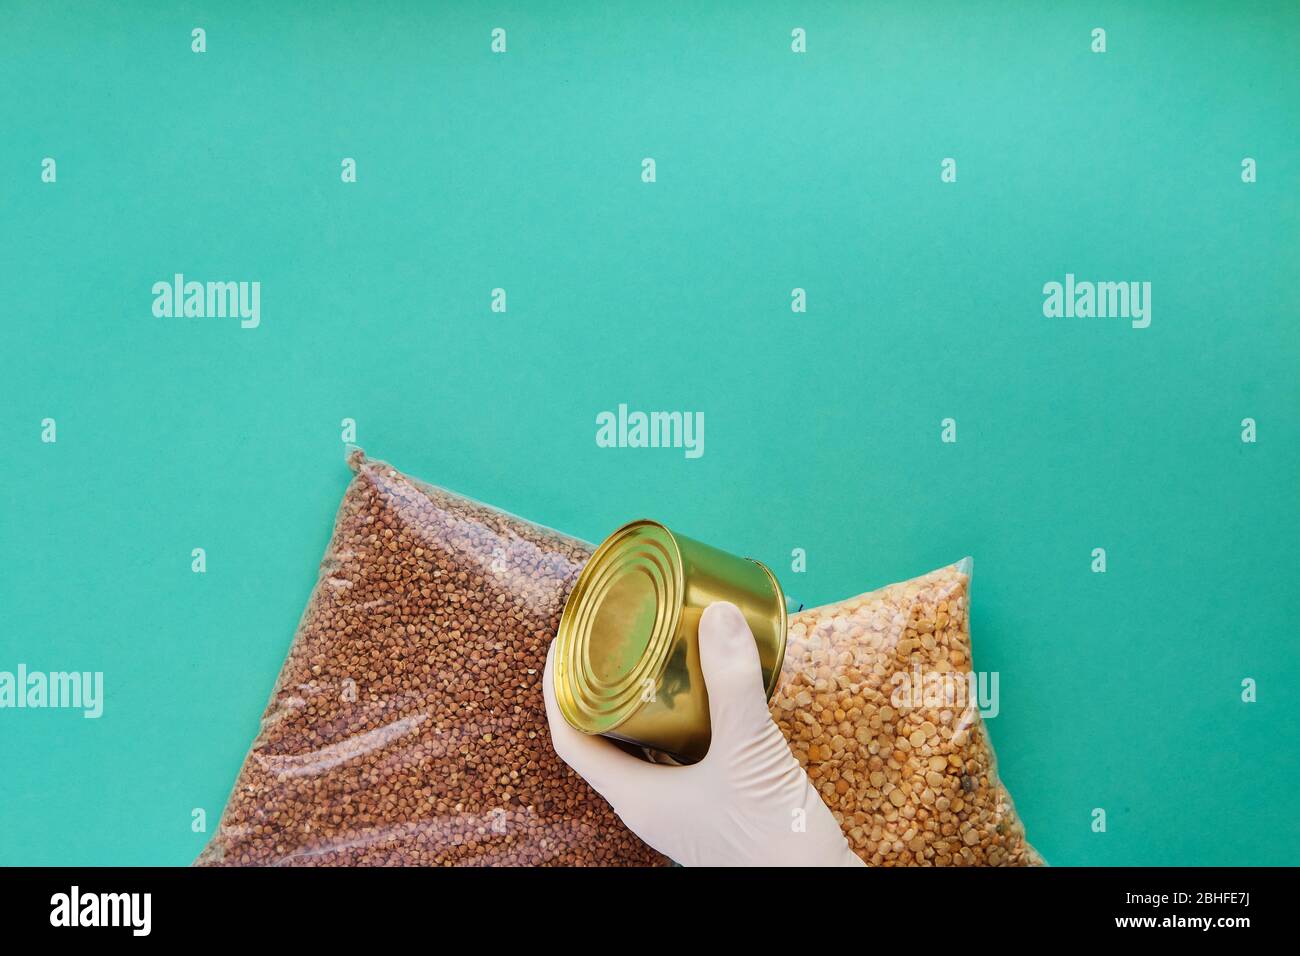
{"x":366,"y":906}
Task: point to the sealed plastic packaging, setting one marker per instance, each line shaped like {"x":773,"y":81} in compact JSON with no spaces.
{"x":882,"y":709}
{"x":407,"y":726}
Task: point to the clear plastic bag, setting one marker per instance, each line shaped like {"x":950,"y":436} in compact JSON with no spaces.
{"x":879,"y":703}
{"x":407,"y":726}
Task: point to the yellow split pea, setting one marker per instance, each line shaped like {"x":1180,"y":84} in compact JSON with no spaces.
{"x":910,"y":785}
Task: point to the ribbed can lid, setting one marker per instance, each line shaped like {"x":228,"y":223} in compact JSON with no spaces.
{"x":618,"y":627}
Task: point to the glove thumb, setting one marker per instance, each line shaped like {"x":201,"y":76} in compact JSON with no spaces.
{"x":733,"y":676}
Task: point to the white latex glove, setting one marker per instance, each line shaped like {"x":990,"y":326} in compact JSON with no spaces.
{"x":747,"y":803}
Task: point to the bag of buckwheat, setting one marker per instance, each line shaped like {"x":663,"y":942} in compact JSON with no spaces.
{"x":407,"y":726}
{"x":882,"y":709}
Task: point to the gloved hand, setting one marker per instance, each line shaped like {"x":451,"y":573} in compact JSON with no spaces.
{"x":747,"y":803}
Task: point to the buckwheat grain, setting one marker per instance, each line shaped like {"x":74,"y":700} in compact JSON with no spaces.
{"x":407,"y":726}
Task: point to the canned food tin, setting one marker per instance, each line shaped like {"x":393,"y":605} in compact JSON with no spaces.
{"x":627,"y":659}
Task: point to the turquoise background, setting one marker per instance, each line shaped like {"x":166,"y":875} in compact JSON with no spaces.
{"x":775,"y":170}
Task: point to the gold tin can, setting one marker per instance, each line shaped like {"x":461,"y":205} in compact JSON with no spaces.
{"x":627,"y":661}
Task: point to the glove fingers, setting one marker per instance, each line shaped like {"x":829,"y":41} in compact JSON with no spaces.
{"x":733,"y":676}
{"x":613,"y":773}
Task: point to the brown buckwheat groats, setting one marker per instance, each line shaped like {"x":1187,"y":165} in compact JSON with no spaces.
{"x":407,"y":726}
{"x":877,"y":704}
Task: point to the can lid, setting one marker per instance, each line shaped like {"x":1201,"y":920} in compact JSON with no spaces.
{"x":618,"y":627}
